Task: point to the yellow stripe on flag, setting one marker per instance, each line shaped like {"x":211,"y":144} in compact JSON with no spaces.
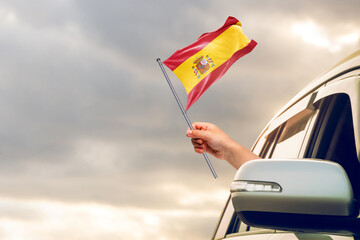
{"x":219,"y":51}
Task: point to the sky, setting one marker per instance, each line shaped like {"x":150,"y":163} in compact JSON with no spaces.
{"x":92,"y":143}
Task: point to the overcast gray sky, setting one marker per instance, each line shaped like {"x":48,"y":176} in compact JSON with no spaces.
{"x":93,"y":144}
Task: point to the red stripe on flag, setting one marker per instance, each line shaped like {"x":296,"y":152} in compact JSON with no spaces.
{"x":183,"y":54}
{"x":204,"y":84}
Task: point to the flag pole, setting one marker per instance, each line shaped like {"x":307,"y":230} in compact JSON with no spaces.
{"x":184,"y":113}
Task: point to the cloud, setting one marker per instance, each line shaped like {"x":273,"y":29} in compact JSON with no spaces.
{"x":57,"y":220}
{"x":313,"y":34}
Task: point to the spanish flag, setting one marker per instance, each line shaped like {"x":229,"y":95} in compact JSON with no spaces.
{"x":202,"y":63}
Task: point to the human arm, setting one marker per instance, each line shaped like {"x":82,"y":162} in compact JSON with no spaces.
{"x":207,"y":137}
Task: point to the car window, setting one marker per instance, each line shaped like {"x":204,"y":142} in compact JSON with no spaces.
{"x":225,"y":220}
{"x":266,"y":151}
{"x":287,"y":139}
{"x":333,"y":137}
{"x":291,"y":138}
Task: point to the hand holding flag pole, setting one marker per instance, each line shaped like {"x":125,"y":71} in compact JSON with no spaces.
{"x":184,"y":113}
{"x":205,"y":61}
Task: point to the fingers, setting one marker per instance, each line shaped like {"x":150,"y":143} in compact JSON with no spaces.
{"x":199,"y":135}
{"x":201,"y":125}
{"x":197,"y":141}
{"x":198,"y":144}
{"x":199,"y":150}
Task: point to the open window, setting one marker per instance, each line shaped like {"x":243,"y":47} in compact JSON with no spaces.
{"x":333,"y":137}
{"x":287,"y":140}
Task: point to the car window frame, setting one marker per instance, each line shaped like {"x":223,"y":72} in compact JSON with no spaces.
{"x":351,"y":87}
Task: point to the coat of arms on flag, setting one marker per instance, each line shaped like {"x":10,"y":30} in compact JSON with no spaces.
{"x":202,"y":65}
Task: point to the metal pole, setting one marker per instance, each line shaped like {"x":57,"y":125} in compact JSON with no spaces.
{"x":184,"y":113}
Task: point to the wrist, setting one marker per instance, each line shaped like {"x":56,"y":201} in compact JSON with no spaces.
{"x":237,"y":155}
{"x":233,"y":152}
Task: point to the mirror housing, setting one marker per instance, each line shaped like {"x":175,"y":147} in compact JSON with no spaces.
{"x":295,"y":195}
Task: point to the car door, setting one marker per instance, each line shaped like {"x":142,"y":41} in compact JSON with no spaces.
{"x":324,"y":125}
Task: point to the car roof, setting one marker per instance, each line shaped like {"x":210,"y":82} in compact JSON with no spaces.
{"x":348,"y":64}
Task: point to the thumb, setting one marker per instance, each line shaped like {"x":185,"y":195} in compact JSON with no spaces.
{"x":203,"y":134}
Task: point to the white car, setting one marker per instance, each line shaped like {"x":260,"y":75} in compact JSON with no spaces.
{"x":307,"y":186}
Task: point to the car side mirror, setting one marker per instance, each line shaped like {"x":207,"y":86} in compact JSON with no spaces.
{"x":288,"y":194}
